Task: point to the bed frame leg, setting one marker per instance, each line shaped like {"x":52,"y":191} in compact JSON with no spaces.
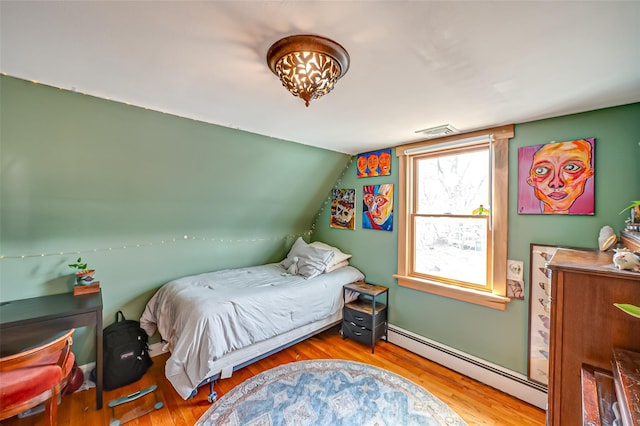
{"x":212,"y":393}
{"x":211,"y":381}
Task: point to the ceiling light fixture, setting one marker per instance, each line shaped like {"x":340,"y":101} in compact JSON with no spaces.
{"x":308,"y":65}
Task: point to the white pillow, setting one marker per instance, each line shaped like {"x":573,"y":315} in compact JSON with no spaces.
{"x":338,"y":256}
{"x":312,"y":261}
{"x":337,"y":266}
{"x":294,"y":251}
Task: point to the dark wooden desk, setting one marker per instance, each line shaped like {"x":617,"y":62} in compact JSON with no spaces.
{"x":21,"y":318}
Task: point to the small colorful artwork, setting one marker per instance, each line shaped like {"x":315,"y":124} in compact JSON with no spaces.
{"x":343,"y":209}
{"x":557,"y":178}
{"x":377,"y":207}
{"x":515,"y":279}
{"x":375,"y":163}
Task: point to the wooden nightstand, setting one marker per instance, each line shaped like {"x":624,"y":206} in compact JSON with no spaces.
{"x":365,"y":319}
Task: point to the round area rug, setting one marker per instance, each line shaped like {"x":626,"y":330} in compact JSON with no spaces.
{"x":328,"y":392}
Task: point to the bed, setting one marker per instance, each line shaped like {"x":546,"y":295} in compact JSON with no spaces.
{"x":217,"y":322}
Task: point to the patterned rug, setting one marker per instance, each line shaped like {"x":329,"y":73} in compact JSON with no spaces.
{"x":328,"y":392}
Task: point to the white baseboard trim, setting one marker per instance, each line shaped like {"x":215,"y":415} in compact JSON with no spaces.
{"x":510,"y":382}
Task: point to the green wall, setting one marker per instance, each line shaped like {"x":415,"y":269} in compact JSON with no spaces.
{"x":82,"y":174}
{"x":501,"y":336}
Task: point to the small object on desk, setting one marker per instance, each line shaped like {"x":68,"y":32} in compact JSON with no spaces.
{"x":84,"y":275}
{"x":86,"y":289}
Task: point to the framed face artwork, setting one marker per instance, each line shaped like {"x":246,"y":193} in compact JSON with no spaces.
{"x":377,"y":207}
{"x":557,"y":178}
{"x":375,"y":163}
{"x":343,"y":209}
{"x":539,"y":312}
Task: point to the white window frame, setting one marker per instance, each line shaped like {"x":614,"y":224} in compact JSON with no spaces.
{"x":495,"y":295}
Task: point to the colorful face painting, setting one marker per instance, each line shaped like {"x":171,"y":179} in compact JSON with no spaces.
{"x":343,"y":209}
{"x":557,"y":178}
{"x":377,"y":207}
{"x":376,"y":163}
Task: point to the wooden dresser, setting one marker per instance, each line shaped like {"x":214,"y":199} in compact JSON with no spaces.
{"x":585,"y":326}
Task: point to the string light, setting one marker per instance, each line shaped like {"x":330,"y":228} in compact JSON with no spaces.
{"x":173,"y":240}
{"x":328,"y":199}
{"x":151,"y":243}
{"x":186,"y":237}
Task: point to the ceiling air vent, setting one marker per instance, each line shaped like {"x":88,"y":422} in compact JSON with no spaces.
{"x":438,"y":131}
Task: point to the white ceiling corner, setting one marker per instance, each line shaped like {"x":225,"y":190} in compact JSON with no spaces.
{"x":414,"y":64}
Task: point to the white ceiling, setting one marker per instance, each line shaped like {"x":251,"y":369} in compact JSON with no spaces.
{"x":414,"y":64}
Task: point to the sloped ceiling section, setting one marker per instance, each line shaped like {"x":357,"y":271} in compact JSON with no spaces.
{"x":414,"y":65}
{"x":80,"y":169}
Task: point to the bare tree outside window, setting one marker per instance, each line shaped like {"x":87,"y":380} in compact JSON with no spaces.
{"x":450,"y":240}
{"x":453,"y":216}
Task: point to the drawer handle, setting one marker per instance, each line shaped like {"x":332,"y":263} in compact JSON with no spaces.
{"x":357,"y":333}
{"x":359,"y":318}
{"x":356,"y":325}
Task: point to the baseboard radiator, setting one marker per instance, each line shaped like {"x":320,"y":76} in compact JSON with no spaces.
{"x":498,"y":377}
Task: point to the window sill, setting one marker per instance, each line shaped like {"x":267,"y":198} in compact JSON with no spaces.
{"x":489,"y":300}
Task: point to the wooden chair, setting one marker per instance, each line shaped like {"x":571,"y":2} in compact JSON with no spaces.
{"x":35,"y":376}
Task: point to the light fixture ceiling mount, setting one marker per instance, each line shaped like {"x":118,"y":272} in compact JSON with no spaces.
{"x":308,"y":65}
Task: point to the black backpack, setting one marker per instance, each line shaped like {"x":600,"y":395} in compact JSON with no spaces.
{"x":126,"y":353}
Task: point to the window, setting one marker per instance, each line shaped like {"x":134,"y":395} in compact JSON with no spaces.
{"x":453,"y":216}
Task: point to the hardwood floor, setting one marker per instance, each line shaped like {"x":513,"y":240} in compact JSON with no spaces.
{"x":476,"y":403}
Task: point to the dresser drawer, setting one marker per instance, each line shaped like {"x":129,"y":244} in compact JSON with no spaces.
{"x":354,"y":332}
{"x":357,"y":317}
{"x":363,"y":318}
{"x":354,"y":327}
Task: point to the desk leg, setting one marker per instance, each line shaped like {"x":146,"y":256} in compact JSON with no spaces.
{"x":99,"y":360}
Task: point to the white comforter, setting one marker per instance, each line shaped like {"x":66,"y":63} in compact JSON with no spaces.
{"x":204,"y":317}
